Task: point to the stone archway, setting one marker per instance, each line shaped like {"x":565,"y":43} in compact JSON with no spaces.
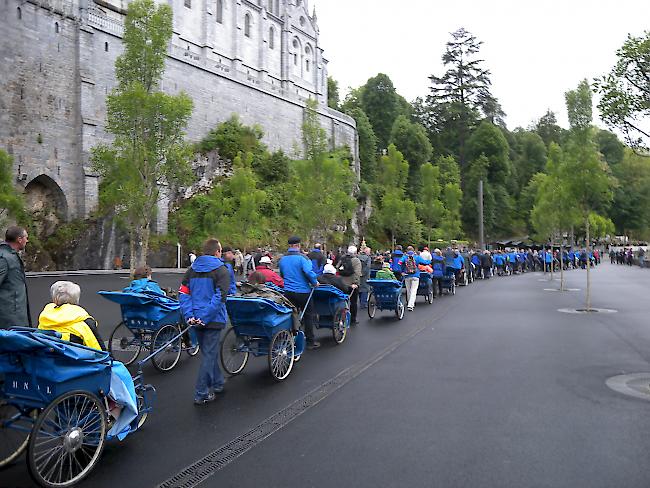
{"x":45,"y":199}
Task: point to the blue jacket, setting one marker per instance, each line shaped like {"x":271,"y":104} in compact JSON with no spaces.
{"x":499,"y":259}
{"x":402,"y":264}
{"x":318,"y":261}
{"x":297,"y":272}
{"x":459,"y":262}
{"x":395,"y":259}
{"x":438,"y":265}
{"x":204,"y":289}
{"x":144,"y":285}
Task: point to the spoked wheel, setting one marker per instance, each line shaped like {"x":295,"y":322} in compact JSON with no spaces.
{"x":372,"y":305}
{"x":124,"y":345}
{"x":339,"y":326}
{"x":281,"y":352}
{"x":453,"y":288}
{"x":170,"y":348}
{"x":14,"y":432}
{"x":233,"y":354}
{"x":67,"y":440}
{"x":399,"y":311}
{"x":465,"y":279}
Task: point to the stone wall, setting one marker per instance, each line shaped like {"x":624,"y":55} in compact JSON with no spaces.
{"x":58,"y":66}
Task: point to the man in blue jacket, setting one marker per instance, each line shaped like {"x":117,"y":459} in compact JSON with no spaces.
{"x":299,"y":278}
{"x":202,"y":297}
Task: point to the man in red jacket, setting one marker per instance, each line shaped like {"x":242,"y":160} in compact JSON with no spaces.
{"x":269,"y":274}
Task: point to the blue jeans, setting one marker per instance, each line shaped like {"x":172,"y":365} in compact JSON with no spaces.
{"x":210,"y":375}
{"x":363,"y":299}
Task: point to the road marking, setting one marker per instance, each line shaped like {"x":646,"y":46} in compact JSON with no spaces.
{"x":199,"y":471}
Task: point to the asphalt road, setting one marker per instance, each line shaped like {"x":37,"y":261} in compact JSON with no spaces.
{"x":490,"y":388}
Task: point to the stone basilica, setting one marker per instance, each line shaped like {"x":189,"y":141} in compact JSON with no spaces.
{"x":260,"y":59}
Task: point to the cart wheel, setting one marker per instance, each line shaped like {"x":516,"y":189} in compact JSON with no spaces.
{"x":233,"y":354}
{"x":372,"y":305}
{"x":281,"y":351}
{"x":67,"y":440}
{"x":340,"y":326}
{"x":14,"y":432}
{"x":465,"y":280}
{"x":453,"y":288}
{"x":168,"y":347}
{"x":399,"y":311}
{"x":124,"y":345}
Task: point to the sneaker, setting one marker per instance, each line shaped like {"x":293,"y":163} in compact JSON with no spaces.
{"x":204,"y":400}
{"x":313,"y":345}
{"x":410,"y":309}
{"x":218,"y":389}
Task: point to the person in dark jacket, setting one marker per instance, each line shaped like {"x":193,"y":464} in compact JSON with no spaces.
{"x":299,"y":278}
{"x":317,"y":259}
{"x":14,"y":304}
{"x":486,"y":264}
{"x":202,"y":295}
{"x":329,"y":278}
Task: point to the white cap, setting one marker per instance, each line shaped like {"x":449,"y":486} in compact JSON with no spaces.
{"x":329,"y":269}
{"x":352,"y":249}
{"x":265,"y":260}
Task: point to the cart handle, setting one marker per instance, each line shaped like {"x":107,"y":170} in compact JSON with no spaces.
{"x":304,"y":309}
{"x":142,"y":361}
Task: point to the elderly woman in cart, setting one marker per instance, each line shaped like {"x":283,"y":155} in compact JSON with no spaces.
{"x":65,"y":316}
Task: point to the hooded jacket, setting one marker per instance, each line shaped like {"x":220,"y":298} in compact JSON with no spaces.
{"x":14,"y":304}
{"x":297,"y":272}
{"x":402,"y":264}
{"x":144,"y":285}
{"x":395,"y":259}
{"x":69,"y":320}
{"x":270,"y":275}
{"x":203,"y":291}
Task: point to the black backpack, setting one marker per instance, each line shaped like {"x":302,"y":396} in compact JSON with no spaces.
{"x":345,"y":266}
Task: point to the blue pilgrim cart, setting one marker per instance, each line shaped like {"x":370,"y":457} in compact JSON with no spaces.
{"x":385,"y":295}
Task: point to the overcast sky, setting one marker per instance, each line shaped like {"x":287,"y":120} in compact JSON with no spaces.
{"x":536,"y":50}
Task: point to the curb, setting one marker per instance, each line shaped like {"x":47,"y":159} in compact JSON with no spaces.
{"x":89,"y":272}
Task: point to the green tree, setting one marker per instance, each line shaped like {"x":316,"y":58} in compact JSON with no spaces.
{"x":548,"y":129}
{"x":11,"y":201}
{"x":530,"y":156}
{"x":625,"y":92}
{"x":430,"y":208}
{"x":612,"y":149}
{"x":489,"y":140}
{"x":412,"y":141}
{"x":477,"y":171}
{"x":333,"y":97}
{"x":147,"y":125}
{"x":630,"y":209}
{"x":585,"y":174}
{"x":452,"y":196}
{"x":463,"y":91}
{"x":396,"y":215}
{"x":379,"y":101}
{"x":367,"y":144}
{"x":322,"y":192}
{"x":232,"y":137}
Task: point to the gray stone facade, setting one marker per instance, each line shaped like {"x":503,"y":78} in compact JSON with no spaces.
{"x":259,"y":59}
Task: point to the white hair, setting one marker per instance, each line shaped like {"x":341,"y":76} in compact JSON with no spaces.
{"x":352,"y":249}
{"x":63,"y":292}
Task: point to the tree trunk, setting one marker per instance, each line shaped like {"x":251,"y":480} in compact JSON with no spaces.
{"x":551,"y":251}
{"x":561,"y":267}
{"x":132,"y":257}
{"x":588,"y":248}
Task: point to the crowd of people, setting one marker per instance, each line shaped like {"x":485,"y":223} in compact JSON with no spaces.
{"x":628,"y":256}
{"x":211,"y":278}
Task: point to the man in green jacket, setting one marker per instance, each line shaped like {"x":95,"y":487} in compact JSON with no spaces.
{"x":14,"y":305}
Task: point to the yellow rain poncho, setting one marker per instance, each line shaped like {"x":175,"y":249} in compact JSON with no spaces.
{"x":68,"y":319}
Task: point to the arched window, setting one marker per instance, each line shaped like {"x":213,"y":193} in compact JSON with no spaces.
{"x":307,"y":57}
{"x":247,"y":25}
{"x":220,"y":11}
{"x":296,"y":50}
{"x":271,"y":38}
{"x":19,"y":13}
{"x":56,"y":27}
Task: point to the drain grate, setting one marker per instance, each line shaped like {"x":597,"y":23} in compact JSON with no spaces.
{"x":587,"y":310}
{"x":202,"y":469}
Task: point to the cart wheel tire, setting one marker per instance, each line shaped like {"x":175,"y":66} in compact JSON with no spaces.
{"x":170,"y":350}
{"x":13,"y":442}
{"x":67,"y":440}
{"x":372,"y":305}
{"x":124,"y":345}
{"x":399,"y":310}
{"x":340,"y":326}
{"x":453,"y":288}
{"x":193,"y":351}
{"x":233,"y":359}
{"x":465,"y":279}
{"x":281,"y":355}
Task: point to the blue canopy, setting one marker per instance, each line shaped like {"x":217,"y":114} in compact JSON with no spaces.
{"x":48,"y":357}
{"x":151,"y":306}
{"x":329,"y":290}
{"x":385,"y":284}
{"x":257,"y":311}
